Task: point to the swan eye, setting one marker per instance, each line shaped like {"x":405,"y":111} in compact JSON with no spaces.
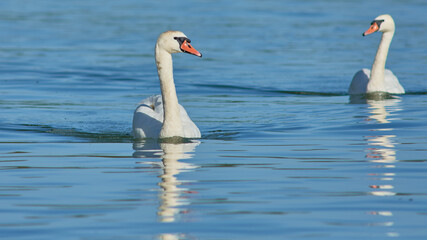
{"x":181,"y":40}
{"x":378,"y":22}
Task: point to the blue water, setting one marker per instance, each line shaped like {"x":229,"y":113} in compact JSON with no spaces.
{"x":285,"y":154}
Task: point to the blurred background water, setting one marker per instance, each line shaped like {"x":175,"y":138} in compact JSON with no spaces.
{"x":284,"y":153}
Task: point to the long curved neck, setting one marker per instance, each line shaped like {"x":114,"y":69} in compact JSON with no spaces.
{"x":376,"y":81}
{"x":172,"y":125}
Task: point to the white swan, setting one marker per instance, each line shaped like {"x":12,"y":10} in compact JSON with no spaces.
{"x":162,"y":116}
{"x":379,"y":79}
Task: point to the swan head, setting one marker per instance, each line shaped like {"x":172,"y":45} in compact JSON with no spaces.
{"x":176,"y":42}
{"x":382,"y":23}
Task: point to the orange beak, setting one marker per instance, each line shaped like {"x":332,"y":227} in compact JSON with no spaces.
{"x":374,"y":27}
{"x":187,"y":48}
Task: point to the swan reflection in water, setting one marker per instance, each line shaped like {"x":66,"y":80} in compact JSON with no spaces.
{"x":382,"y":143}
{"x":171,"y":188}
{"x":381,"y":151}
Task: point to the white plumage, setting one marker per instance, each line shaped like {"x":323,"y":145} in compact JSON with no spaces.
{"x":361,"y":80}
{"x":378,"y":79}
{"x":162,"y":116}
{"x":148,"y":119}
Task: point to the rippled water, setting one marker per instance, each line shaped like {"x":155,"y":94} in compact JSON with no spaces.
{"x":285,"y":153}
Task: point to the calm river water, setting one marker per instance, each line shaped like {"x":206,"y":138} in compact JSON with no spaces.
{"x":284,"y":153}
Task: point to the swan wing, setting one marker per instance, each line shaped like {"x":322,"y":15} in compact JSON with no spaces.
{"x":190,"y":128}
{"x":392,"y":83}
{"x":360,"y":82}
{"x":148,"y":118}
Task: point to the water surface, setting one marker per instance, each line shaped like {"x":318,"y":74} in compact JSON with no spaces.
{"x":285,"y":153}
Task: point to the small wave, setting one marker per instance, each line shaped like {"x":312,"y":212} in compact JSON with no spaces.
{"x":220,"y":135}
{"x":104,"y":137}
{"x":112,"y":137}
{"x":290,"y":92}
{"x":270,"y":91}
{"x":416,"y":93}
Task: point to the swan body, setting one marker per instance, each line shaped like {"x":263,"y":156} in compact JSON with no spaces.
{"x":161,"y":116}
{"x":378,"y":79}
{"x":361,"y":79}
{"x":148,"y":119}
